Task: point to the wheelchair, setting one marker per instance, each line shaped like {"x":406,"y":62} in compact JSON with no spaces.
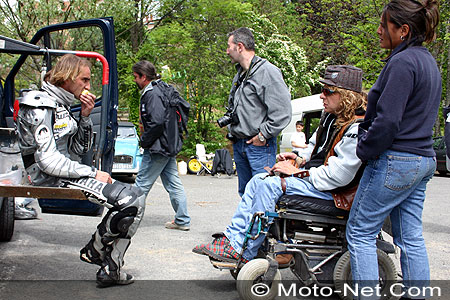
{"x":313,"y":231}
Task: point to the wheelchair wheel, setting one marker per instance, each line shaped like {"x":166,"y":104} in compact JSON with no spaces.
{"x":193,"y":166}
{"x":209,"y":164}
{"x":249,"y":285}
{"x":342,"y":275}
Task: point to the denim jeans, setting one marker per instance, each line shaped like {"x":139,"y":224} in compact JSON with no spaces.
{"x":251,"y":160}
{"x":394,"y":185}
{"x":261,"y":194}
{"x":154,"y":165}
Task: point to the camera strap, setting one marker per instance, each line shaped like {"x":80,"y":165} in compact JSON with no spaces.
{"x":242,"y":80}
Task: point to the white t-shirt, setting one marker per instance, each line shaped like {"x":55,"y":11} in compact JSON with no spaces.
{"x":298,"y":138}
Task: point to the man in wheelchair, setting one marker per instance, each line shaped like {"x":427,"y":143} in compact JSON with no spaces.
{"x":328,"y":170}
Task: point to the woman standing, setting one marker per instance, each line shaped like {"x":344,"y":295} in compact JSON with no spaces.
{"x":396,"y":141}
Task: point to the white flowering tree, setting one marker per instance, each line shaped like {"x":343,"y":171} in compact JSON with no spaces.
{"x":280,"y":50}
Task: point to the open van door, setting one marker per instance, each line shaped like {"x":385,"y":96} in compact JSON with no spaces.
{"x":307,"y":109}
{"x":93,"y":39}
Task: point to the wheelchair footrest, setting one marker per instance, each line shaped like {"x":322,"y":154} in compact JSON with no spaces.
{"x":223,"y":265}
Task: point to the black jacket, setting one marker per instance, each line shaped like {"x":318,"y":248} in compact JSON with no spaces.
{"x":222,"y":162}
{"x":153,"y":116}
{"x":402,"y":105}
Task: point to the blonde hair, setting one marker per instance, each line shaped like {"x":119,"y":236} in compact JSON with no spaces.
{"x":350,"y":101}
{"x":68,"y":67}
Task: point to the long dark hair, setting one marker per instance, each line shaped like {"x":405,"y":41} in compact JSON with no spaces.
{"x":146,"y":68}
{"x":422,"y":17}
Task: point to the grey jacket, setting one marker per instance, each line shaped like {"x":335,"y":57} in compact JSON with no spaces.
{"x":262,"y":101}
{"x":50,"y":139}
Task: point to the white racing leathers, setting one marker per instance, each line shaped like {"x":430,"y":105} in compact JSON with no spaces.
{"x":51,"y":142}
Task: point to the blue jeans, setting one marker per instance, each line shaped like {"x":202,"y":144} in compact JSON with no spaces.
{"x":251,"y":160}
{"x":394,"y":185}
{"x":154,"y":165}
{"x":261,"y":194}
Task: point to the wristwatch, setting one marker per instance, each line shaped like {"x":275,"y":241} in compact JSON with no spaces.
{"x":261,"y":137}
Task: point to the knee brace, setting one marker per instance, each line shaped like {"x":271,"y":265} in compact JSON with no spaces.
{"x":122,"y":195}
{"x":125,"y":203}
{"x":116,"y":224}
{"x":122,"y":220}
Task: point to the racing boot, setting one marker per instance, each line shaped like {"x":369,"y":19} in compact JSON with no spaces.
{"x":110,"y":272}
{"x":22,"y":212}
{"x":94,"y":251}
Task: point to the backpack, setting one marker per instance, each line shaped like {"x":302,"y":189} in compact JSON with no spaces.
{"x":177,"y":114}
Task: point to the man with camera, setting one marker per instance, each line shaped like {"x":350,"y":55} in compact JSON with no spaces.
{"x":258,"y":107}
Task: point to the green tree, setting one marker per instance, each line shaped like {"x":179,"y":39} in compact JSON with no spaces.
{"x":191,"y":40}
{"x":186,"y":40}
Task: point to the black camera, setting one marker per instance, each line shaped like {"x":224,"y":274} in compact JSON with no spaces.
{"x":229,"y":118}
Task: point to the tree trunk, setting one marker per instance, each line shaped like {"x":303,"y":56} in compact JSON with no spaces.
{"x":136,"y":31}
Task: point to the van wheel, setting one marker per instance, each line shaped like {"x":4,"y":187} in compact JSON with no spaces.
{"x":7,"y":219}
{"x":342,"y":276}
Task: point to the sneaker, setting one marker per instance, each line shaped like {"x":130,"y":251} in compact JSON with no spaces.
{"x":104,"y":279}
{"x":221,"y":249}
{"x":199,"y":248}
{"x":173,"y":225}
{"x":25,"y":213}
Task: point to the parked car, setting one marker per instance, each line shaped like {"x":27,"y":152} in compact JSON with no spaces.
{"x":128,"y":154}
{"x":440,"y":149}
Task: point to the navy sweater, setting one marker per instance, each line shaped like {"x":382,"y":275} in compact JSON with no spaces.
{"x":402,"y":105}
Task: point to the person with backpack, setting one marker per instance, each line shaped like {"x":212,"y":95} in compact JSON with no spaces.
{"x":163,"y":114}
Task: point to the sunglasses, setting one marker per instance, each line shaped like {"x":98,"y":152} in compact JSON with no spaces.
{"x":327,"y":92}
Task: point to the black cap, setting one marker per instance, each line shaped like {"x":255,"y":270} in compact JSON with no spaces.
{"x":343,"y":76}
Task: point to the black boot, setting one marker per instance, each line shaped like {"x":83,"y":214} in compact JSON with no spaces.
{"x":110,"y":272}
{"x":90,"y":254}
{"x":105,"y":278}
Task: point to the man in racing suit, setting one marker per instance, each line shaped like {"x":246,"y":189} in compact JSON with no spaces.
{"x":51,"y":142}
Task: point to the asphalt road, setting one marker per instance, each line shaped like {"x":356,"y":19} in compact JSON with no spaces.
{"x":42,"y":260}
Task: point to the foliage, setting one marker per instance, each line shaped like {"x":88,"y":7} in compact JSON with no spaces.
{"x":280,"y":50}
{"x":186,"y":40}
{"x":192,"y":41}
{"x":440,"y":48}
